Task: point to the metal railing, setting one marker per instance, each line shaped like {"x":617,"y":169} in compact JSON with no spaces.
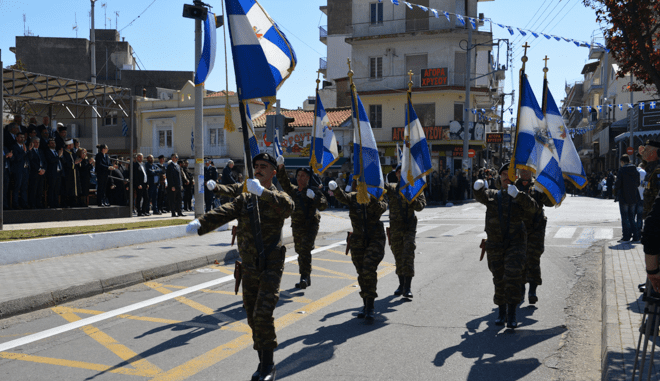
{"x":404,"y":25}
{"x":323,"y":63}
{"x":323,"y":31}
{"x":401,"y":81}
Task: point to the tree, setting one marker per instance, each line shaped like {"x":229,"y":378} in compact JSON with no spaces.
{"x":19,"y":65}
{"x":632,"y":33}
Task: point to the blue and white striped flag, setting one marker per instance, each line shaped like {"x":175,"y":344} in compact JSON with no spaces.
{"x":124,"y":127}
{"x":416,"y":159}
{"x":324,"y":151}
{"x":263,"y":57}
{"x":276,"y":143}
{"x":206,"y":61}
{"x":252,"y":139}
{"x":526,"y":152}
{"x":399,"y":154}
{"x":366,"y":169}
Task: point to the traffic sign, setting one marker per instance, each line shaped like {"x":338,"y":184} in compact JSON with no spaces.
{"x":471,"y":152}
{"x":630,"y":151}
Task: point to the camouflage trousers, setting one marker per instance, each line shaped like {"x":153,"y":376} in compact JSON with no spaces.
{"x":303,"y":241}
{"x":260,"y":296}
{"x":366,"y":256}
{"x":508,"y":267}
{"x":402,"y":242}
{"x":535,"y":248}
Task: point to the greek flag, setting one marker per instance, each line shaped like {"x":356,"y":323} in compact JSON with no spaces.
{"x":276,"y":144}
{"x":569,"y":160}
{"x":192,"y":142}
{"x":526,"y":151}
{"x":263,"y":57}
{"x":366,"y":169}
{"x":252,"y":139}
{"x":324,"y":151}
{"x":398,"y":154}
{"x":207,"y":59}
{"x":416,"y":159}
{"x":124,"y":127}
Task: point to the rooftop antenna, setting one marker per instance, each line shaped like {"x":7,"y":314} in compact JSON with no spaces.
{"x":110,"y":22}
{"x":105,"y":9}
{"x":24,"y":33}
{"x":116,"y":19}
{"x":75,"y":26}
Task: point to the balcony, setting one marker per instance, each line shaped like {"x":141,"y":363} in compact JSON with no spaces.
{"x":401,"y":82}
{"x":323,"y":34}
{"x":397,"y":26}
{"x":323,"y":65}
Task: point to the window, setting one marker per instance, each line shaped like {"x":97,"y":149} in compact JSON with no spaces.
{"x":376,"y":67}
{"x":110,"y":118}
{"x":376,"y":13}
{"x":416,"y":63}
{"x":216,"y":136}
{"x":458,"y":112}
{"x":426,"y":114}
{"x":376,"y":116}
{"x":165,"y":139}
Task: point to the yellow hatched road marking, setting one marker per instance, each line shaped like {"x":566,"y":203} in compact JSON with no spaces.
{"x":207,"y":291}
{"x":332,"y":260}
{"x":222,"y":352}
{"x":73,"y":364}
{"x":123,"y":352}
{"x":223,"y":269}
{"x":336,"y":252}
{"x":340,"y":274}
{"x":316,"y":275}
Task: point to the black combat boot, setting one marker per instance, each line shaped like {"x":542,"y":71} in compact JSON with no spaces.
{"x":406,"y":287}
{"x":255,"y":376}
{"x":522,"y":294}
{"x":501,"y":315}
{"x":363,"y":313}
{"x":511,"y":321}
{"x":399,"y":290}
{"x":532,"y":294}
{"x":267,"y":366}
{"x":369,"y":313}
{"x":303,"y":282}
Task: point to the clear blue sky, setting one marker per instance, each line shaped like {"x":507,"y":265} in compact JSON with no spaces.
{"x":163,"y":40}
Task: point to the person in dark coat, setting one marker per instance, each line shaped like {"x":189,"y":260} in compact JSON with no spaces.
{"x":174,"y":184}
{"x":161,"y":169}
{"x":103,"y":168}
{"x":53,"y":173}
{"x":6,"y":153}
{"x":228,"y":178}
{"x":20,"y":172}
{"x":188,"y":186}
{"x":627,"y":194}
{"x":117,"y":181}
{"x":86,"y":166}
{"x":140,"y":187}
{"x":60,"y":136}
{"x":210,"y":173}
{"x":153,"y":173}
{"x":37,"y":175}
{"x":71,"y":166}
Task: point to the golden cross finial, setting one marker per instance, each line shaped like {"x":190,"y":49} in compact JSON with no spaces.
{"x":350,"y":71}
{"x":546,"y":60}
{"x":410,"y":83}
{"x":525,"y":46}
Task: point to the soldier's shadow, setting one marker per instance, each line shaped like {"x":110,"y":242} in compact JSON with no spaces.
{"x":319,"y":347}
{"x":494,"y":346}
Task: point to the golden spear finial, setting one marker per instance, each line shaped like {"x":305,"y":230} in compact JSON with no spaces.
{"x":410,"y":83}
{"x":545,"y":69}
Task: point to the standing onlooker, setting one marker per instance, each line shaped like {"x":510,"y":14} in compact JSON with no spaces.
{"x":609,"y":182}
{"x":5,"y":177}
{"x":60,"y":137}
{"x":188,"y":186}
{"x":639,"y":211}
{"x":210,"y":173}
{"x":140,"y":181}
{"x":153,"y":174}
{"x":228,"y":178}
{"x":53,"y":173}
{"x":103,"y":168}
{"x":19,"y":171}
{"x":71,"y":166}
{"x":649,"y":153}
{"x":174,"y":183}
{"x":627,"y":181}
{"x":162,"y":184}
{"x":86,"y":166}
{"x":37,"y":175}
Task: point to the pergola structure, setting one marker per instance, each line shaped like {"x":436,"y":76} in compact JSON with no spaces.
{"x":35,"y":94}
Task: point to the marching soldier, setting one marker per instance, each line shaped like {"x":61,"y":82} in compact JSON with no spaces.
{"x":260,"y":289}
{"x":651,"y":184}
{"x":367,"y":244}
{"x":535,"y":224}
{"x":403,"y":227}
{"x":305,"y":218}
{"x":506,"y":244}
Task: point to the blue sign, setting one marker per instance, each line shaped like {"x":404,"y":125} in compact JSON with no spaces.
{"x":507,"y":138}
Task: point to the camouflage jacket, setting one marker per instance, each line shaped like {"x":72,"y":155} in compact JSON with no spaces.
{"x":514,"y":212}
{"x":651,"y":185}
{"x":365,"y":219}
{"x":402,"y":214}
{"x":307,"y":209}
{"x":274,"y":208}
{"x":533,"y":220}
{"x":231,"y":190}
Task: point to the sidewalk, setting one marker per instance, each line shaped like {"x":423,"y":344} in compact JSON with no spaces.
{"x":43,"y":283}
{"x":623,"y":270}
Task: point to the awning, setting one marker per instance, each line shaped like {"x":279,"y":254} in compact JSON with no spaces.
{"x":622,"y":123}
{"x":639,"y":134}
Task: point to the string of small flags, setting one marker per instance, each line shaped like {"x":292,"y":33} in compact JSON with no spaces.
{"x":473,"y":23}
{"x":482,"y":117}
{"x":652,"y":105}
{"x":582,"y":130}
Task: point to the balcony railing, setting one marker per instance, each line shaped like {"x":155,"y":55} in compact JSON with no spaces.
{"x":323,"y":63}
{"x":404,"y":25}
{"x":323,"y":32}
{"x":401,"y":81}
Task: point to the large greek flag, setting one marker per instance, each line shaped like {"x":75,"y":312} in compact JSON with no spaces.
{"x":324,"y":151}
{"x":276,"y":143}
{"x":569,"y":160}
{"x":263,"y":57}
{"x":366,"y":169}
{"x":530,"y":123}
{"x":416,"y":159}
{"x":206,"y":61}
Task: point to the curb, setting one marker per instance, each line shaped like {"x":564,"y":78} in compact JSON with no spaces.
{"x":68,"y":294}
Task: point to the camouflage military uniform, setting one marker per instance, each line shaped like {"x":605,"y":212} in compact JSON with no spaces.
{"x":305,"y":220}
{"x":535,"y":224}
{"x":403,"y":227}
{"x":367,"y":240}
{"x":260,"y":290}
{"x":228,"y":191}
{"x":651,"y":185}
{"x":506,"y":248}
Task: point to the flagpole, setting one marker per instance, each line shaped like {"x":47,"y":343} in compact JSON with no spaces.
{"x":407,"y":136}
{"x":512,"y":165}
{"x":313,"y":162}
{"x":544,"y":102}
{"x":253,"y":204}
{"x":361,"y":185}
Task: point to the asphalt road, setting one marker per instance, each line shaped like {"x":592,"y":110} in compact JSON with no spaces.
{"x":445,"y":332}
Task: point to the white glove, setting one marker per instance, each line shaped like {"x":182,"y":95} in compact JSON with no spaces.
{"x":512,"y":190}
{"x":193,"y":226}
{"x":311,"y":194}
{"x":211,"y":185}
{"x":254,"y":187}
{"x":332,"y":185}
{"x":479,"y":184}
{"x":280,"y":160}
{"x":348,"y":188}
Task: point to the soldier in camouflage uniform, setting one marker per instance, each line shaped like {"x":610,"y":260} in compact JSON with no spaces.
{"x":651,"y":183}
{"x":260,"y":289}
{"x":403,"y":227}
{"x":506,"y":245}
{"x":367,"y":244}
{"x":305,"y":218}
{"x":535,"y":224}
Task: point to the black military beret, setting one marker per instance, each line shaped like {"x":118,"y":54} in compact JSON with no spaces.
{"x":304,"y":169}
{"x":265,"y":157}
{"x":397,"y":168}
{"x":505,"y":167}
{"x":653,"y":143}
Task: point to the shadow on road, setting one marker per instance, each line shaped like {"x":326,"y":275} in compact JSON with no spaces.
{"x":494,"y":346}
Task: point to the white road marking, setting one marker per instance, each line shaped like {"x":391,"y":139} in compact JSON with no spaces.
{"x":565,"y":233}
{"x":586,"y":236}
{"x":604,"y":233}
{"x":124,"y":310}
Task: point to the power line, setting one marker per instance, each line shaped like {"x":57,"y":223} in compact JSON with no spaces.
{"x":131,"y":23}
{"x":292,"y":34}
{"x":530,"y":19}
{"x":535,"y":21}
{"x":540,"y":18}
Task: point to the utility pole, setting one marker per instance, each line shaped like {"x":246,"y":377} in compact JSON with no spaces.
{"x":467,"y":168}
{"x":199,"y":131}
{"x":632,"y":111}
{"x":92,"y":43}
{"x":2,"y":144}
